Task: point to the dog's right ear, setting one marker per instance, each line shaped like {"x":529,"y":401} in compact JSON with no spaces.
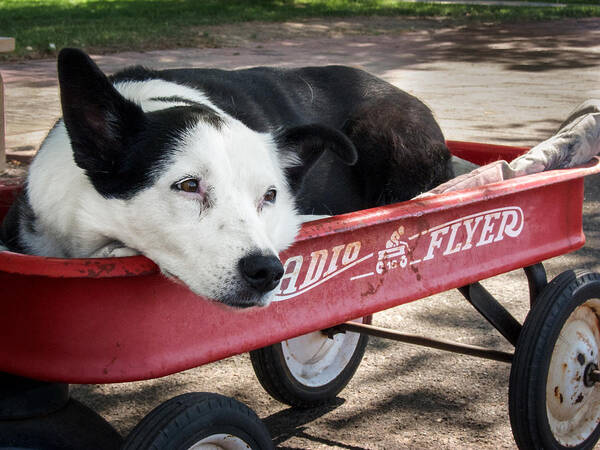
{"x":99,"y":120}
{"x":300,"y":147}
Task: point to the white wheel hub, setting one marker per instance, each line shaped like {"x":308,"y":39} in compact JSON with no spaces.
{"x":573,"y":408}
{"x":314,"y":359}
{"x":220,"y":441}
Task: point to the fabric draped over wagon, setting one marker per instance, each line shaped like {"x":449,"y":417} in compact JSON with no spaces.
{"x":576,"y":142}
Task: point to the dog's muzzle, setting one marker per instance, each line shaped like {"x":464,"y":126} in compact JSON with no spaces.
{"x":261,"y":273}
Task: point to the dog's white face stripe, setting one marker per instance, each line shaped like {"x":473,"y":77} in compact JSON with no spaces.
{"x":144,"y":93}
{"x":202,"y":244}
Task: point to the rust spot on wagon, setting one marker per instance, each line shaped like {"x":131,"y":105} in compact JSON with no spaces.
{"x":106,"y":369}
{"x":372,"y":289}
{"x":415,"y":270}
{"x":558,"y":394}
{"x":98,"y":270}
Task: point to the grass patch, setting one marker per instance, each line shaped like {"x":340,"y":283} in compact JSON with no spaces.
{"x":43,"y":26}
{"x":564,"y":2}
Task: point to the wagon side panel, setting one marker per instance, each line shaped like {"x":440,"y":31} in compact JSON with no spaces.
{"x":91,"y":330}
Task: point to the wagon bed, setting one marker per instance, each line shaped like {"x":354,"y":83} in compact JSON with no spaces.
{"x":114,"y":320}
{"x":119,"y":319}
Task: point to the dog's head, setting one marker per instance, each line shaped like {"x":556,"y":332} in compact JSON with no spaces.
{"x":208,"y":199}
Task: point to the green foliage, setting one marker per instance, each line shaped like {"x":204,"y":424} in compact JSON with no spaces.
{"x":42,"y":26}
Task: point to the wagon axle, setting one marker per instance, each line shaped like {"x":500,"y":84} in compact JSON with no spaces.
{"x":465,"y":349}
{"x":591,"y":375}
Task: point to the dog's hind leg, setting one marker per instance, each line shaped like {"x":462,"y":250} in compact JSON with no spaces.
{"x":401,"y":149}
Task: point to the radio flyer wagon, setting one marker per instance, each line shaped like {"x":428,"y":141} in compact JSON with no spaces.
{"x":115,"y":320}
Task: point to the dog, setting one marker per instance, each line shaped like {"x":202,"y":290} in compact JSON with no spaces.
{"x":207,"y":171}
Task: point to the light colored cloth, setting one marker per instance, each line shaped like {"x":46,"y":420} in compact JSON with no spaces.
{"x":575,"y":143}
{"x":589,"y":106}
{"x":490,"y":173}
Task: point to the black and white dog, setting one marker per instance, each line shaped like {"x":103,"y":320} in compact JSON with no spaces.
{"x":205,"y":171}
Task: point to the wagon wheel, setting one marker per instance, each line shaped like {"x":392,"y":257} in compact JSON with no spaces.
{"x":200,"y":420}
{"x":311,"y":369}
{"x":554,"y":394}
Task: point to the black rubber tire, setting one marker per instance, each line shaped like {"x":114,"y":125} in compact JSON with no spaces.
{"x":186,"y":419}
{"x":73,"y":427}
{"x":21,"y":398}
{"x":531,"y":363}
{"x":275,"y":377}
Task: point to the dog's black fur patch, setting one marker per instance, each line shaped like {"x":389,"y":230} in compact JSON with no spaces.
{"x":396,"y":144}
{"x":120,"y":147}
{"x":401,"y":149}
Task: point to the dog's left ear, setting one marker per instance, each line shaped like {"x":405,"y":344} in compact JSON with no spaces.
{"x":300,"y":147}
{"x":99,"y":120}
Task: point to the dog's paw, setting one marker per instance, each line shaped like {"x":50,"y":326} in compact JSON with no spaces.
{"x":115,"y":250}
{"x":122,"y":252}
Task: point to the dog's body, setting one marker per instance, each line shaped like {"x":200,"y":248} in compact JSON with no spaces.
{"x":205,"y":171}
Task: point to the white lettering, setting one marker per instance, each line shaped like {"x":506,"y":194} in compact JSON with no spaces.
{"x":351,"y":253}
{"x":449,"y":250}
{"x":314,"y":272}
{"x":510,"y":229}
{"x":334,"y":257}
{"x":471,"y":231}
{"x":435,"y":242}
{"x":486,"y":232}
{"x":293,"y":275}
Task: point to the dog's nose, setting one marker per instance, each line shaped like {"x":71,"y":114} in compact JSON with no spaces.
{"x":261,"y":272}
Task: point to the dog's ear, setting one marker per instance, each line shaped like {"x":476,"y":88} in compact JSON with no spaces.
{"x":300,"y":147}
{"x":100,"y":121}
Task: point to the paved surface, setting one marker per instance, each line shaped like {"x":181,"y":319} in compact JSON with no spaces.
{"x":510,"y":84}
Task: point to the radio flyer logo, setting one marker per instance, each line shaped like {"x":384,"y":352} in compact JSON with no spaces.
{"x":301,"y":273}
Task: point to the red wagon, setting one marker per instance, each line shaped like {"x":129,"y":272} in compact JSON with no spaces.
{"x":114,"y":320}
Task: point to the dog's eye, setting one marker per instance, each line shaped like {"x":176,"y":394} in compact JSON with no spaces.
{"x":267,"y":199}
{"x":190,"y":185}
{"x":270,"y":196}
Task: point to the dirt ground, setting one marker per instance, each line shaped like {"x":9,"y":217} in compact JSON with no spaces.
{"x":511,"y":84}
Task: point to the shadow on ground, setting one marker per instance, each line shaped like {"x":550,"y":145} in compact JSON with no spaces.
{"x":530,"y":47}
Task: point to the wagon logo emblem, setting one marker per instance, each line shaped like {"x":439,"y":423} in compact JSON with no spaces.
{"x":337,"y":260}
{"x":475,"y":230}
{"x":459,"y":235}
